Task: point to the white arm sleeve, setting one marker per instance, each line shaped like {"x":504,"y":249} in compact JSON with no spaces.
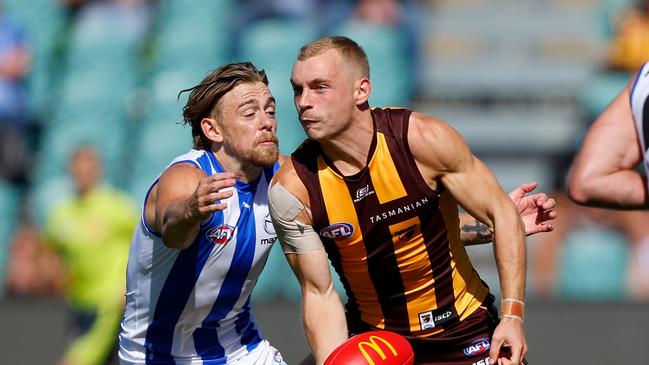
{"x":294,"y":236}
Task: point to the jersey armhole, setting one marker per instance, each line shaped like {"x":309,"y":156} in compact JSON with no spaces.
{"x":635,"y":82}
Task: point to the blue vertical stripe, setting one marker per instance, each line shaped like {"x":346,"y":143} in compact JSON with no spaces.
{"x":174,"y":296}
{"x":204,"y":161}
{"x":205,"y":337}
{"x":245,"y":327}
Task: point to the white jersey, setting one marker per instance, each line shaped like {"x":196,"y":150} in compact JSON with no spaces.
{"x":640,"y":109}
{"x":192,"y":306}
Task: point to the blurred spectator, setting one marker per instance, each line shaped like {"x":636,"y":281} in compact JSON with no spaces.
{"x":627,"y":32}
{"x":133,"y":17}
{"x":33,"y":270}
{"x":390,"y":31}
{"x":92,"y":233}
{"x":15,"y":121}
{"x":629,"y":46}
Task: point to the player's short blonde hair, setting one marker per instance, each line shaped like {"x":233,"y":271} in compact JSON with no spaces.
{"x":346,"y":47}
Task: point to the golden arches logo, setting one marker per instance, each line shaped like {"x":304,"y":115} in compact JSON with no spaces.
{"x":373,"y":344}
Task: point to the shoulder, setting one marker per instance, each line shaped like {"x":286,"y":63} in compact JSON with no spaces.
{"x":180,"y":176}
{"x":434,"y":143}
{"x":287,"y":177}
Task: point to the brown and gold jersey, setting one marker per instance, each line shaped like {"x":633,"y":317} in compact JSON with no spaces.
{"x":394,"y":241}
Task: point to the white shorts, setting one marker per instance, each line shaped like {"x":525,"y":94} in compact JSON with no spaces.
{"x":263,"y":354}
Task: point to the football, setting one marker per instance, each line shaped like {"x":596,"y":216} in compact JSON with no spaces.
{"x":373,"y":348}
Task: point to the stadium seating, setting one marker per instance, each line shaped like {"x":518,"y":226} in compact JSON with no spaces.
{"x":273,"y":45}
{"x":10,"y":211}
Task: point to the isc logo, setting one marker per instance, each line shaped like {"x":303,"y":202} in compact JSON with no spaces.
{"x":338,"y":231}
{"x":221,"y":234}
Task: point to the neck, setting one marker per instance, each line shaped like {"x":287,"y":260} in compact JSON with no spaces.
{"x":243,"y":171}
{"x":349,"y":149}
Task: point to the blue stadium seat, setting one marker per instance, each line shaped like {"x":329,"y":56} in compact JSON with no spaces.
{"x":389,"y":64}
{"x":593,"y":265}
{"x":9,"y":211}
{"x":273,"y":44}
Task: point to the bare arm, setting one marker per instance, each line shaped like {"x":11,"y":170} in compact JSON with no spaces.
{"x":324,"y":317}
{"x":322,"y":311}
{"x":185,"y":198}
{"x":536,"y":211}
{"x":473,"y":186}
{"x":603,"y":173}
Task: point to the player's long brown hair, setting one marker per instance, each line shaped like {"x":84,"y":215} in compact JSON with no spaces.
{"x":204,"y":98}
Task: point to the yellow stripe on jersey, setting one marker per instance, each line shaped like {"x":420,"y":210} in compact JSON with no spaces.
{"x":416,"y":272}
{"x":340,"y":209}
{"x":468,"y":288}
{"x":385,"y":177}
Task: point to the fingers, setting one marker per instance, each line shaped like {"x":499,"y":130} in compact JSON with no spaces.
{"x":211,"y":191}
{"x":212,"y":202}
{"x":529,"y":187}
{"x":494,"y":352}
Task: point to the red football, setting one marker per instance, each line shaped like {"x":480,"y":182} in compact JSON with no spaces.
{"x":373,"y":348}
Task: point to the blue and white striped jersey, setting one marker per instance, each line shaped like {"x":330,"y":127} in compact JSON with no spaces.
{"x":192,"y":306}
{"x":640,"y":109}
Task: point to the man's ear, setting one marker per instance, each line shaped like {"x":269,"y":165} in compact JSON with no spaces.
{"x":211,"y":130}
{"x":362,"y":90}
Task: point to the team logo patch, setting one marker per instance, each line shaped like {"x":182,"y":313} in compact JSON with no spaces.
{"x":362,"y":193}
{"x":407,"y":233}
{"x":433,"y":318}
{"x":268,"y":225}
{"x":338,"y":231}
{"x":477,"y":347}
{"x":426,"y":320}
{"x":221,"y":234}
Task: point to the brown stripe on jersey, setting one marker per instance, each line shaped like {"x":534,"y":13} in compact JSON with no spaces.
{"x":389,"y":194}
{"x":355,"y":264}
{"x":468,"y":287}
{"x":433,"y":230}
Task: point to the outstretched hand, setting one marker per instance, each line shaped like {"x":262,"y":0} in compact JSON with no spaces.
{"x":536,"y":210}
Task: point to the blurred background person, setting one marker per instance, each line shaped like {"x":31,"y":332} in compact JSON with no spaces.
{"x":16,"y":123}
{"x":32,"y":269}
{"x":92,"y":231}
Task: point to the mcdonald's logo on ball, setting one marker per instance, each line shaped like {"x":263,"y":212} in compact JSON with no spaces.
{"x":373,"y":348}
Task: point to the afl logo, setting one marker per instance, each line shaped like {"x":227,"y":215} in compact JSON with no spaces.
{"x":338,"y":231}
{"x":477,"y":347}
{"x":221,"y":234}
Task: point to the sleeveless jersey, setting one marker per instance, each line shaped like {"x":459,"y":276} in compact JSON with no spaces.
{"x":640,"y":109}
{"x":192,"y":306}
{"x":394,"y":242}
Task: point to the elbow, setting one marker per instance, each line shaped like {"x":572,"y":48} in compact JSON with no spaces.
{"x":580,"y":189}
{"x":172,"y":241}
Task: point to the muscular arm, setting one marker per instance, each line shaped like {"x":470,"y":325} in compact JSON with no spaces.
{"x":603,"y":173}
{"x":473,"y":186}
{"x":186,"y":197}
{"x":473,"y":232}
{"x":323,"y":314}
{"x":536,"y":212}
